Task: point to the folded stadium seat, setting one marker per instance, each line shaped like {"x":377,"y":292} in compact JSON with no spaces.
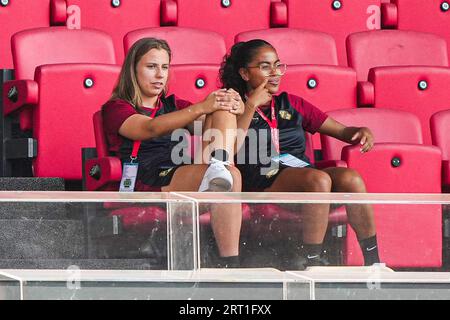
{"x":312,"y":68}
{"x":398,"y":163}
{"x":48,"y":101}
{"x":114,"y":17}
{"x":338,"y":18}
{"x":418,"y":15}
{"x":440,"y":133}
{"x":420,"y":90}
{"x":21,"y":15}
{"x":188,"y":45}
{"x":224,"y":16}
{"x":366,"y":50}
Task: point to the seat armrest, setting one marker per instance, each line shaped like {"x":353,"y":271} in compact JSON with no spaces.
{"x":100,"y":172}
{"x":19,"y":93}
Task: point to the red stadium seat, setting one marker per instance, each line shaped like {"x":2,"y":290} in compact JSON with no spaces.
{"x":223,"y":16}
{"x":189,"y":46}
{"x":440,"y":133}
{"x":45,"y":96}
{"x":114,"y":17}
{"x":317,"y":85}
{"x":337,"y":18}
{"x":418,"y":15}
{"x":387,"y":125}
{"x":297,"y":46}
{"x":16,"y":16}
{"x":63,"y":111}
{"x":395,"y":166}
{"x":367,"y":50}
{"x":420,"y":90}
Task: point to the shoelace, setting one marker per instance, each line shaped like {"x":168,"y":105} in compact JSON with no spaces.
{"x":215,"y":161}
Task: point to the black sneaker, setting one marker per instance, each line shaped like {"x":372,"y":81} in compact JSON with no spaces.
{"x":303,"y":261}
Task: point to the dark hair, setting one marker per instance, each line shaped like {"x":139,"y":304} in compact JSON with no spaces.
{"x":127,"y":87}
{"x":241,"y":54}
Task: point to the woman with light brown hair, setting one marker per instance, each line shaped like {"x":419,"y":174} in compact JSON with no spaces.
{"x":139,"y":120}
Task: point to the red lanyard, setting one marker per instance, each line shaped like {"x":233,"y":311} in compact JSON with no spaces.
{"x":273,"y":124}
{"x":137,"y":144}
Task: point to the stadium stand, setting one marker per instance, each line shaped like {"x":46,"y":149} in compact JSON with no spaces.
{"x":116,"y":18}
{"x":392,"y":166}
{"x":337,"y":18}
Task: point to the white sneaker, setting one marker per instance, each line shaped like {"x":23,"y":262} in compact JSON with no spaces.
{"x":217,"y":177}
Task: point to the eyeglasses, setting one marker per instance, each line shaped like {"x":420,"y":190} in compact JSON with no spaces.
{"x":267,"y":69}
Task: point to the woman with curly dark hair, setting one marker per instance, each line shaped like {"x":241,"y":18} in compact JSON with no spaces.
{"x":254,"y":70}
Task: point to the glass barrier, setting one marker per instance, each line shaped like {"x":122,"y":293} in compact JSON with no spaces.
{"x":205,"y":284}
{"x":190,"y":232}
{"x":59,"y":230}
{"x":11,"y":287}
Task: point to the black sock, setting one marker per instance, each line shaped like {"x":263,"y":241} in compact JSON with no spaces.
{"x":369,"y":248}
{"x":220,"y":154}
{"x":228,"y":262}
{"x":312,"y":253}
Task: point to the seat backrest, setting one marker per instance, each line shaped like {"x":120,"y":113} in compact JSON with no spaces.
{"x":317,"y":85}
{"x":387,"y":125}
{"x":117,"y":18}
{"x":62,"y":120}
{"x":193,"y":82}
{"x":400,"y":88}
{"x":337,"y":18}
{"x":296,"y":46}
{"x":440,"y":132}
{"x":56,"y":45}
{"x":16,"y":16}
{"x":424,"y":15}
{"x":225,"y":17}
{"x":371,"y":49}
{"x":188,"y":45}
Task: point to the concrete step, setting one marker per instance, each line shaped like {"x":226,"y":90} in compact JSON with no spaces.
{"x":32,"y":210}
{"x":83,"y":264}
{"x":41,"y":239}
{"x":31,"y":184}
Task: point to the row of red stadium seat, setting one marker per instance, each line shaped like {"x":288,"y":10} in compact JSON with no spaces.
{"x":339,"y":18}
{"x":420,"y":90}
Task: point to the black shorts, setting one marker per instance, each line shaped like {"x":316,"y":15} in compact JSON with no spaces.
{"x":156,"y":177}
{"x":259,"y":178}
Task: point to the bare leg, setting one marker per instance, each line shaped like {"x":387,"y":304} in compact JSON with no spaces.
{"x":360,"y":216}
{"x":314,"y":216}
{"x":222,"y":127}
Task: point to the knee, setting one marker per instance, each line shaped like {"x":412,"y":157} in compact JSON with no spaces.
{"x":318,"y":181}
{"x":237,"y":179}
{"x":352,"y":181}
